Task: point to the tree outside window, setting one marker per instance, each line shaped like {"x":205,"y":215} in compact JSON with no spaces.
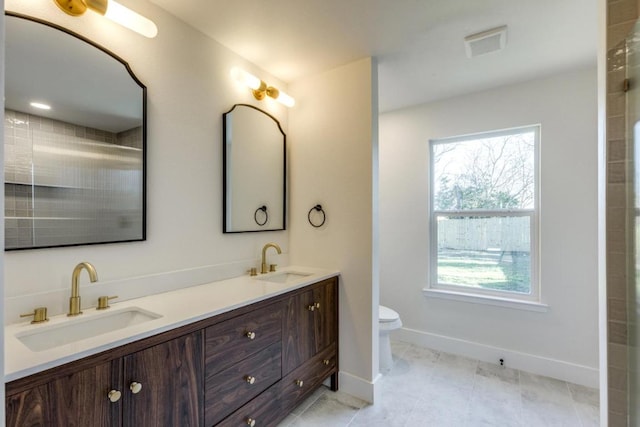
{"x":483,"y":212}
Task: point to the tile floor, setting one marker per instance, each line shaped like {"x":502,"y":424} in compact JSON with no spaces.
{"x":434,"y":389}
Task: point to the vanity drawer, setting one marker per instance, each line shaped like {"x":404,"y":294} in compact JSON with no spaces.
{"x":302,"y":381}
{"x":226,"y":391}
{"x":264,"y":410}
{"x":235,"y":339}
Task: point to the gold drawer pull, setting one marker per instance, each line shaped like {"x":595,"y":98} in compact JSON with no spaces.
{"x":114,"y":396}
{"x":135,"y":387}
{"x":251,"y":422}
{"x":299,"y":383}
{"x":326,"y":362}
{"x":250,"y":379}
{"x":251,"y":335}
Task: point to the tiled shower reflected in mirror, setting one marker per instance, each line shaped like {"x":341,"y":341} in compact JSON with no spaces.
{"x":67,"y":184}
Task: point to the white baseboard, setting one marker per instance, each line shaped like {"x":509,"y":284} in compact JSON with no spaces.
{"x":369,"y":391}
{"x":578,"y":374}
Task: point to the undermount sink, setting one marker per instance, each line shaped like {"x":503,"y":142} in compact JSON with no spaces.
{"x":76,"y":329}
{"x":284,"y":277}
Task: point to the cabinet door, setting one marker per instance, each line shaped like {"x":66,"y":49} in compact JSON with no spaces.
{"x":79,"y":399}
{"x":297,"y":331}
{"x":325,"y":316}
{"x":310,"y":323}
{"x":171,"y":376}
{"x":29,"y":408}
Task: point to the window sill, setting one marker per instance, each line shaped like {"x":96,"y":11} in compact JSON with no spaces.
{"x":487,"y":300}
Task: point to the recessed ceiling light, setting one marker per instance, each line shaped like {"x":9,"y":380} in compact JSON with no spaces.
{"x":485,"y":42}
{"x":40,"y":105}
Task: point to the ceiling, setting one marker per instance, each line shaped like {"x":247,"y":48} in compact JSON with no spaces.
{"x":419,"y":44}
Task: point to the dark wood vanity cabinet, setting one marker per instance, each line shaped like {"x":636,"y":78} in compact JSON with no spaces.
{"x":243,"y":358}
{"x":171,"y":379}
{"x":251,"y":365}
{"x":170,"y":392}
{"x":76,"y":399}
{"x":307,"y":345}
{"x":311,"y":324}
{"x":310,"y":347}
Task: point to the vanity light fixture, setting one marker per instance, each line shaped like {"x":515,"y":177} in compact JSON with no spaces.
{"x":112,"y":10}
{"x":260,"y":88}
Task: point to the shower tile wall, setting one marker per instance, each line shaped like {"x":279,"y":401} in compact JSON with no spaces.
{"x":621,"y":17}
{"x":53,"y":202}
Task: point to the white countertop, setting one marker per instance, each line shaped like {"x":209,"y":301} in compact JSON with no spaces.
{"x":177,"y":308}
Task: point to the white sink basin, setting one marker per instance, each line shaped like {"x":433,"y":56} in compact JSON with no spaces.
{"x":76,"y":329}
{"x":284,"y":277}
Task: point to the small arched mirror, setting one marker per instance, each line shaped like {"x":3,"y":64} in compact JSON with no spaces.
{"x":74,"y":167}
{"x":254,"y":153}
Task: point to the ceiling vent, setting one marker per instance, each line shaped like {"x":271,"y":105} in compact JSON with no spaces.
{"x":486,"y":42}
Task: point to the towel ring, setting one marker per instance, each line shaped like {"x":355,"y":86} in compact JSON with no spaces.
{"x":266,"y":215}
{"x":317,"y":208}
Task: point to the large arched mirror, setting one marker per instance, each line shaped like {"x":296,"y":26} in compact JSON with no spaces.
{"x":254,"y":152}
{"x":75,"y":137}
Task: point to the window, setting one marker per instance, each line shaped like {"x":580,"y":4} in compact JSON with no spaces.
{"x":484,"y":218}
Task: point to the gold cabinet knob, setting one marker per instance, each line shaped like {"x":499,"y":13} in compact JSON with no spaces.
{"x":135,"y":387}
{"x":39,"y":315}
{"x":326,"y":362}
{"x":114,"y":396}
{"x":299,"y":383}
{"x":311,"y":307}
{"x":251,"y":422}
{"x":251,"y":335}
{"x":250,"y":379}
{"x":103,"y":302}
{"x":317,"y":305}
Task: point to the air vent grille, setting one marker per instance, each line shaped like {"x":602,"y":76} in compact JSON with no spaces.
{"x":486,"y":42}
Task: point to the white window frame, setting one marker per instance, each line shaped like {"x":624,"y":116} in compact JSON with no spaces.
{"x":434,"y":287}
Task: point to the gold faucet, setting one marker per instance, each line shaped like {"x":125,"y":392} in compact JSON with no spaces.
{"x":263,"y":268}
{"x":74,"y":301}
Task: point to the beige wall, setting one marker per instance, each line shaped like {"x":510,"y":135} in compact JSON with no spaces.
{"x":188,"y":89}
{"x":561,"y":341}
{"x":332,"y":147}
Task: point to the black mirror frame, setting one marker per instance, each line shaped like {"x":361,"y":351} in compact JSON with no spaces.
{"x":144,"y":131}
{"x":224,"y":173}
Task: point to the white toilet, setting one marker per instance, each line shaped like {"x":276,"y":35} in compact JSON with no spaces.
{"x":388,"y":321}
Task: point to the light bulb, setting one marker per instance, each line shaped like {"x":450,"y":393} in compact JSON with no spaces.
{"x":247,"y":79}
{"x":286,"y":100}
{"x":130,"y":19}
{"x":260,"y":88}
{"x":112,"y":10}
{"x":40,"y":105}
